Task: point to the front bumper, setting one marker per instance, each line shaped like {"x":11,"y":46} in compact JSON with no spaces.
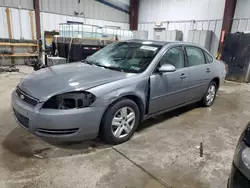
{"x":62,"y":125}
{"x":237,"y":179}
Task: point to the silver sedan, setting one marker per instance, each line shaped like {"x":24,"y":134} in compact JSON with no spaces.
{"x":115,"y":89}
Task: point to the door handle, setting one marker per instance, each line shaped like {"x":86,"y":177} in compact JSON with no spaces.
{"x":208,"y":70}
{"x":183,"y":76}
{"x":231,"y":58}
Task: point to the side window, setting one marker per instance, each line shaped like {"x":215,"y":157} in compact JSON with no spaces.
{"x":195,"y":56}
{"x":209,"y":58}
{"x":173,"y":56}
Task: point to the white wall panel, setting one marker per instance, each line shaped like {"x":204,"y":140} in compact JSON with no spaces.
{"x":90,"y":5}
{"x":90,"y":8}
{"x":64,"y":6}
{"x":53,"y":6}
{"x":76,"y":6}
{"x":85,"y":5}
{"x":25,"y":4}
{"x":7,"y":3}
{"x":15,"y":4}
{"x":21,"y":28}
{"x":127,"y":2}
{"x":15,"y":23}
{"x":97,"y":6}
{"x":155,"y":10}
{"x":45,"y":5}
{"x":185,"y":26}
{"x":3,"y":23}
{"x":241,"y":22}
{"x":56,"y":19}
{"x":81,"y":6}
{"x":241,"y":25}
{"x":173,"y":10}
{"x":26,"y":25}
{"x":144,"y":11}
{"x":181,"y":14}
{"x":70,"y":7}
{"x":103,"y":23}
{"x":242,"y":9}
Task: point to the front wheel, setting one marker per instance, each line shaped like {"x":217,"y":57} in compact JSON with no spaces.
{"x":120,"y":122}
{"x":210,"y":95}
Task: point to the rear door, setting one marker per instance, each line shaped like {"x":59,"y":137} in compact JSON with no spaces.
{"x":200,"y":72}
{"x":169,"y":89}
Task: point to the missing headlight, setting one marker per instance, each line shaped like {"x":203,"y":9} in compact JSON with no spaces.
{"x":70,"y":100}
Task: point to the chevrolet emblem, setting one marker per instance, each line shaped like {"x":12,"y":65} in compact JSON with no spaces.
{"x":22,"y":97}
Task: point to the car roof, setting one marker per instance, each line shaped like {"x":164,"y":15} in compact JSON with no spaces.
{"x":163,"y":43}
{"x":154,"y":42}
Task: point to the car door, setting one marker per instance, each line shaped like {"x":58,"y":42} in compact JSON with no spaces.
{"x":200,"y":72}
{"x":170,"y":88}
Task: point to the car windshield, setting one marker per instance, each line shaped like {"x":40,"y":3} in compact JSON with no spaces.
{"x":125,"y":56}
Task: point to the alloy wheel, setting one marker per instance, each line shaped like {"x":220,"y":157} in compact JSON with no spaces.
{"x":211,"y":94}
{"x":123,"y":122}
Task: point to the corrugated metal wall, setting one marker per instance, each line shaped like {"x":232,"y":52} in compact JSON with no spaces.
{"x":186,"y":25}
{"x":241,"y":20}
{"x":23,"y":4}
{"x":20,"y":22}
{"x":183,"y":15}
{"x":173,"y":10}
{"x":91,"y":9}
{"x":55,"y":19}
{"x":54,"y":12}
{"x":242,"y":9}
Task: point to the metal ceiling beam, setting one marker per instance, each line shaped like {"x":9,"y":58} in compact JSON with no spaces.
{"x":227,"y":22}
{"x":133,"y":17}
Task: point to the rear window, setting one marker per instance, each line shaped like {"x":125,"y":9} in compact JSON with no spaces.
{"x":195,"y":56}
{"x":209,"y":58}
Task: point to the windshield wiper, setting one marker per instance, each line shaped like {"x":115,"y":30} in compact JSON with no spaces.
{"x":114,"y":68}
{"x":95,"y":63}
{"x":88,"y":62}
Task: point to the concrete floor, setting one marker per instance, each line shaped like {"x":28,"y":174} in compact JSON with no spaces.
{"x":165,"y":149}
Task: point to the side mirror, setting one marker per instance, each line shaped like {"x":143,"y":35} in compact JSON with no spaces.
{"x":166,"y":68}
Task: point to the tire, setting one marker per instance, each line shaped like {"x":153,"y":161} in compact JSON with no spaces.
{"x":115,"y":128}
{"x":212,"y":92}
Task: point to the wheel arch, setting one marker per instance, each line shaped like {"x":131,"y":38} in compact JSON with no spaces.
{"x":138,"y":101}
{"x":217,"y":81}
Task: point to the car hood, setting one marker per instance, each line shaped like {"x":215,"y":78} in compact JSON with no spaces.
{"x":50,"y":81}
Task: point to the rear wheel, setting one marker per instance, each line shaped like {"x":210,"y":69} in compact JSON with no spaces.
{"x":210,"y":95}
{"x":120,"y":122}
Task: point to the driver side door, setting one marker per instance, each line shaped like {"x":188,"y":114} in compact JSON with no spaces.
{"x":169,"y":89}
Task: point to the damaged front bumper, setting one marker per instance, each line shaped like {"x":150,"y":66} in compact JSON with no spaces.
{"x":62,"y":125}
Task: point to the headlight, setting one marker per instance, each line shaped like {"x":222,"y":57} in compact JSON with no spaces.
{"x":70,"y":100}
{"x":242,"y":153}
{"x":246,"y":157}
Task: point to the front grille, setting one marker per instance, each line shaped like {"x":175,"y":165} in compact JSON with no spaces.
{"x":21,"y":119}
{"x":30,"y":100}
{"x":58,"y":131}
